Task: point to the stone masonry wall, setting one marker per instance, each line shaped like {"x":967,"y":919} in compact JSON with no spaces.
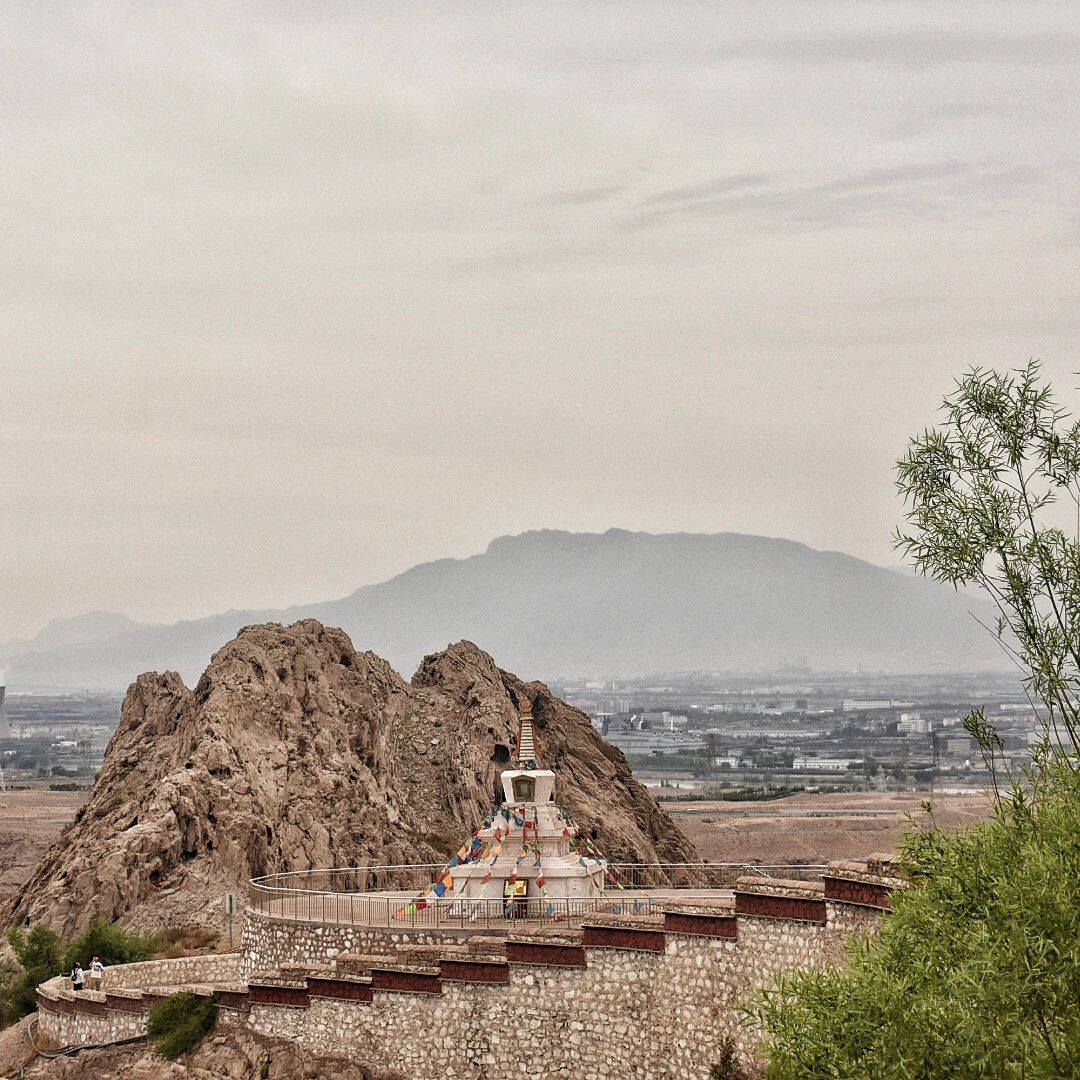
{"x":270,"y":942}
{"x":78,"y":1028}
{"x":211,"y":968}
{"x":628,"y":1013}
{"x":119,"y":1010}
{"x":631,"y":997}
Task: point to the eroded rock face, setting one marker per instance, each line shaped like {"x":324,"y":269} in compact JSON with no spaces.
{"x":294,"y":752}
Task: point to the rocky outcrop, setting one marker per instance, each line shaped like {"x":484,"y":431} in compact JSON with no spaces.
{"x":295,"y":751}
{"x":231,"y":1053}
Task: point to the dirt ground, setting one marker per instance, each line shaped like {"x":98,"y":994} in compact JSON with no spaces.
{"x":802,"y":828}
{"x":29,"y":822}
{"x":814,"y":828}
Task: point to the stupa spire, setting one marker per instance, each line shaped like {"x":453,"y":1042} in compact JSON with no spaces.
{"x":526,"y":744}
{"x":525,"y":853}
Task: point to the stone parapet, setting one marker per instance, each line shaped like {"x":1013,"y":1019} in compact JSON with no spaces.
{"x":632,"y":937}
{"x":779,"y":887}
{"x":803,"y":901}
{"x":868,"y":884}
{"x":209,"y":968}
{"x":429,"y":1008}
{"x":701,"y":924}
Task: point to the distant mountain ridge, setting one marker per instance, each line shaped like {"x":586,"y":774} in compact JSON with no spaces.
{"x":550,"y":603}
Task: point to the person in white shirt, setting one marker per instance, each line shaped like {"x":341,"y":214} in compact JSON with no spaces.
{"x":97,"y":970}
{"x":77,"y":977}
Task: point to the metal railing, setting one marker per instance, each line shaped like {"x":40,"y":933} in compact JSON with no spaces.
{"x":386,"y":896}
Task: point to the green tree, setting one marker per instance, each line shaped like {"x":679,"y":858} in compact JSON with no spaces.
{"x":112,"y":944}
{"x":977,"y":971}
{"x":987,"y":496}
{"x":39,"y":955}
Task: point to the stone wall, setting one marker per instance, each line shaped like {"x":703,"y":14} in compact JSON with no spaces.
{"x":80,"y":1027}
{"x":629,"y":1011}
{"x":118,"y":1010}
{"x":211,"y":968}
{"x":646,"y":996}
{"x":269,"y":942}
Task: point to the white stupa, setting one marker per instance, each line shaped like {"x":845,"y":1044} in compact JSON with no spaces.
{"x":526,"y":852}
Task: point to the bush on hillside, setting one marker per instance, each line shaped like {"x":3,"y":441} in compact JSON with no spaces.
{"x":42,"y":957}
{"x":976,"y":973}
{"x":727,"y":1066}
{"x":186,"y":940}
{"x":112,"y":944}
{"x":39,"y":954}
{"x":180,"y":1022}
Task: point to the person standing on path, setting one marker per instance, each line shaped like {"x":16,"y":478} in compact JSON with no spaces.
{"x":77,"y":977}
{"x":97,"y":972}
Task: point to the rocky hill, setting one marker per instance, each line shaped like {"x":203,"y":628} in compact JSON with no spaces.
{"x":566,"y":604}
{"x":296,"y":751}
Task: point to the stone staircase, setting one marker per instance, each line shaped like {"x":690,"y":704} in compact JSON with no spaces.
{"x":526,"y":748}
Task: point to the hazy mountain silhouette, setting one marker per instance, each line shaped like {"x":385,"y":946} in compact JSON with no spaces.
{"x":554,"y":603}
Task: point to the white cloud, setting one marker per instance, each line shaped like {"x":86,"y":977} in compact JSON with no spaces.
{"x":296,"y":296}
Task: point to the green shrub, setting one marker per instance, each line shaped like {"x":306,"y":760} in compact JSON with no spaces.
{"x":186,"y":940}
{"x":42,"y":957}
{"x":975,"y":974}
{"x":977,"y":971}
{"x":39,"y":954}
{"x":180,"y":1022}
{"x":112,"y":944}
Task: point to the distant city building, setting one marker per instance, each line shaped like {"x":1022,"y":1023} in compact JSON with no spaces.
{"x":865,"y":704}
{"x":914,"y":724}
{"x":5,"y":723}
{"x":664,"y":721}
{"x":822,"y":764}
{"x":790,"y":734}
{"x":653,"y":742}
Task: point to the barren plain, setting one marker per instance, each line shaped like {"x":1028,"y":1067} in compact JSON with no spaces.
{"x":810,"y":828}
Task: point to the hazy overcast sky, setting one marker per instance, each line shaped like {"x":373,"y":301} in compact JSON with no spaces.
{"x":298,"y":295}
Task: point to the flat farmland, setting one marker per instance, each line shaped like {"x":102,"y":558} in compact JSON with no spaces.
{"x":29,"y":822}
{"x":808,"y":828}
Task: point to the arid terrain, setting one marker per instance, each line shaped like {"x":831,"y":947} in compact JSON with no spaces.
{"x":29,"y":822}
{"x":814,"y":828}
{"x":800,"y":828}
{"x":295,"y":751}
